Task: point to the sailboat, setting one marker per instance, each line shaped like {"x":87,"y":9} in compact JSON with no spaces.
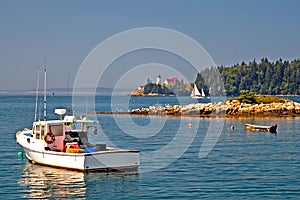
{"x":196,"y":94}
{"x":64,"y":143}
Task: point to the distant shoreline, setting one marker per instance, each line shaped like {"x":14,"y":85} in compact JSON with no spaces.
{"x":106,"y":91}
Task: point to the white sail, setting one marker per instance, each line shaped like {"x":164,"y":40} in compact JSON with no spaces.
{"x":195,"y":93}
{"x":202,"y":92}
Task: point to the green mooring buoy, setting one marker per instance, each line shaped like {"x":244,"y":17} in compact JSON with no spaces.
{"x":20,"y":154}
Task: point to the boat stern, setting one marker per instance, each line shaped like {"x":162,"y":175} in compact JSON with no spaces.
{"x":117,"y":160}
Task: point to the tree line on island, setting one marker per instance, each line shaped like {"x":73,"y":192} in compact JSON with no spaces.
{"x":264,"y":77}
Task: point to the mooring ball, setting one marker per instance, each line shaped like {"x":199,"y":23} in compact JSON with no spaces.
{"x":20,"y":154}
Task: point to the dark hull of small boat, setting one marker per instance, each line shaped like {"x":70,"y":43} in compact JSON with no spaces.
{"x":271,"y":129}
{"x":203,"y":99}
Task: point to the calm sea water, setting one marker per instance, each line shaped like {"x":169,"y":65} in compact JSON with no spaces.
{"x":242,"y":165}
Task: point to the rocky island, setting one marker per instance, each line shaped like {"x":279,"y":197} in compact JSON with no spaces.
{"x":229,"y":108}
{"x":248,"y":104}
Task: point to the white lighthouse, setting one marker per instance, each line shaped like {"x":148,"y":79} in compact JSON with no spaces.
{"x":158,"y":80}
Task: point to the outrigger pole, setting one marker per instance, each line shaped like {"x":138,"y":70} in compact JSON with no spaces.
{"x":45,"y":95}
{"x":37,"y":94}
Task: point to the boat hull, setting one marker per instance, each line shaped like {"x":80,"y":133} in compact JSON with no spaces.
{"x":96,"y":161}
{"x":252,"y":127}
{"x":202,"y":99}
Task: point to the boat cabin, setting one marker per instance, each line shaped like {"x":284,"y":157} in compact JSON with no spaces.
{"x":57,"y":135}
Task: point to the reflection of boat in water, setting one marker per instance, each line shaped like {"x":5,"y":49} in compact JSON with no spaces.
{"x":65,"y":143}
{"x":46,"y":182}
{"x":253,"y":127}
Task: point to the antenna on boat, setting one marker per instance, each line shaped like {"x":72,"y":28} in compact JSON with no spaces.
{"x":45,"y":75}
{"x":68,"y":79}
{"x":37,"y":94}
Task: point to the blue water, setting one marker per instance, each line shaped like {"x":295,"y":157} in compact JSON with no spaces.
{"x":242,"y":165}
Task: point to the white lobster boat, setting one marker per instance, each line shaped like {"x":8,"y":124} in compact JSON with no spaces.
{"x":64,"y":143}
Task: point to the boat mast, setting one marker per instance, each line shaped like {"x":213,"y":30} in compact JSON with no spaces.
{"x":45,"y":95}
{"x":37,"y":94}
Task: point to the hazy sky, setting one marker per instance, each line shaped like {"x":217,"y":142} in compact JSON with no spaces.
{"x":65,"y":31}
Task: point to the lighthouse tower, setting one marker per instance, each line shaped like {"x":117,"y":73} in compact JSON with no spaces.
{"x":158,"y":80}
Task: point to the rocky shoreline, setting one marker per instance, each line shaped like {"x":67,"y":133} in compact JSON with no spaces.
{"x":227,"y":109}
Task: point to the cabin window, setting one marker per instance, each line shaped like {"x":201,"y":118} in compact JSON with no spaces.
{"x":38,"y":132}
{"x":57,"y":130}
{"x":43,"y":132}
{"x":38,"y":128}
